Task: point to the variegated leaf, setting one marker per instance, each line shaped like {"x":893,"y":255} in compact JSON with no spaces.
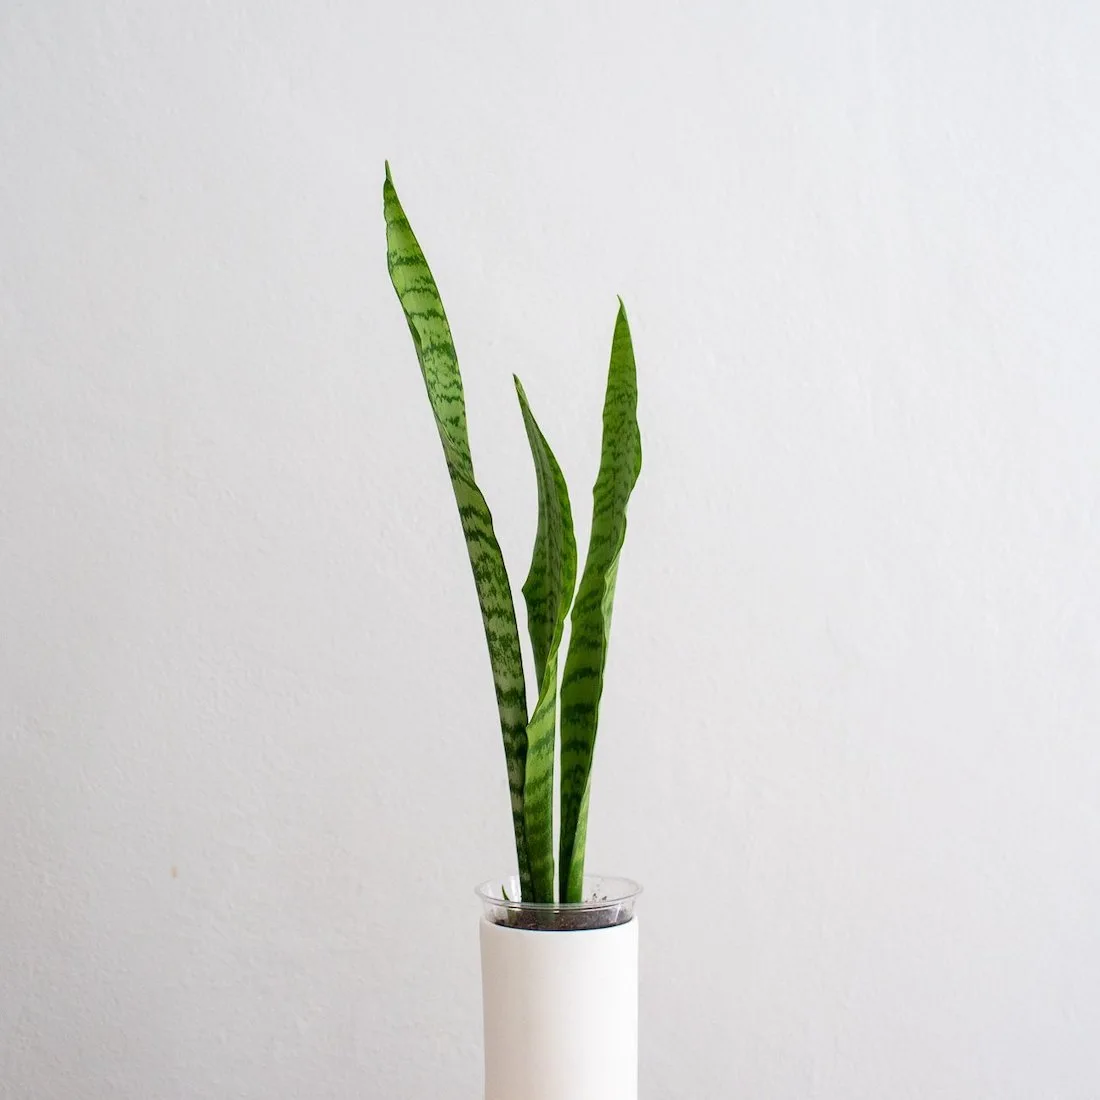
{"x":582,"y":682}
{"x":431,"y":335}
{"x":548,"y":592}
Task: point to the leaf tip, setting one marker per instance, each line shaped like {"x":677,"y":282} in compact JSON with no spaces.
{"x":389,"y":178}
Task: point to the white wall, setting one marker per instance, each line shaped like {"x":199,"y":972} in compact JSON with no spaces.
{"x":248,"y":758}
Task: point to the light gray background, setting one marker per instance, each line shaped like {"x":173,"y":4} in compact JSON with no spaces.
{"x":249,"y":764}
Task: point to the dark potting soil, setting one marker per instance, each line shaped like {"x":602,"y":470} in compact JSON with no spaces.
{"x":561,"y":920}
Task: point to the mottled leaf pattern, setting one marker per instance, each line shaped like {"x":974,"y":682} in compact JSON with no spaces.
{"x":582,"y":682}
{"x":431,"y":335}
{"x":548,"y":591}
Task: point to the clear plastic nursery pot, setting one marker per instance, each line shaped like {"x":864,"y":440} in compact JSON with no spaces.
{"x":560,"y":993}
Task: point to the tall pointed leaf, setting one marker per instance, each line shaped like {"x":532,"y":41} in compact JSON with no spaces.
{"x":431,"y":335}
{"x":582,"y":683}
{"x":547,"y":591}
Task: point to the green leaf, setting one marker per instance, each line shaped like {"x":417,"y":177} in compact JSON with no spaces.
{"x":582,"y":683}
{"x":548,"y":592}
{"x":431,"y":335}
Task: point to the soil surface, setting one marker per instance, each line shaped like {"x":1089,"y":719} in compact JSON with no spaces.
{"x":561,"y":920}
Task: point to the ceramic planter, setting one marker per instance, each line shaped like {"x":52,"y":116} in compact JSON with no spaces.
{"x":560,"y":994}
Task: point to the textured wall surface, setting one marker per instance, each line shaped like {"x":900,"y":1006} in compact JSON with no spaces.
{"x":249,"y":766}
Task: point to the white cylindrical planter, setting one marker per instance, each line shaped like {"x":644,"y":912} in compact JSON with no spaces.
{"x":561,"y":1006}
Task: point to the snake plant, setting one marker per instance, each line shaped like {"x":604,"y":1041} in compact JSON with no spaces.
{"x":530,"y":740}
